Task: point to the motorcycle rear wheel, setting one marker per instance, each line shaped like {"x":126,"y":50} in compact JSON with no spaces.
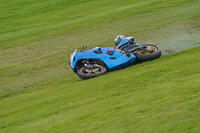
{"x":85,"y":73}
{"x":153,"y":52}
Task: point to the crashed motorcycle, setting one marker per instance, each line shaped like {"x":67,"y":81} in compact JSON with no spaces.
{"x":98,"y":61}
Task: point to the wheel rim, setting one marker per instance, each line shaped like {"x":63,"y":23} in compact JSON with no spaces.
{"x":96,"y":69}
{"x":150,"y":49}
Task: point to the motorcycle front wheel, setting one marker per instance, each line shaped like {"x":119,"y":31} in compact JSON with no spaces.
{"x":85,"y":73}
{"x":150,"y":53}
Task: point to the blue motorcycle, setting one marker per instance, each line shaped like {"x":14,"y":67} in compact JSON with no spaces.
{"x":97,"y":61}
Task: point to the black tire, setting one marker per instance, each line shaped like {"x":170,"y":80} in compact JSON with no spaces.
{"x":83,"y":75}
{"x":142,"y":57}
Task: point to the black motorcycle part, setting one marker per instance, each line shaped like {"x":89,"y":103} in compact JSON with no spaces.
{"x":110,"y":52}
{"x":98,"y":52}
{"x":131,"y":41}
{"x":88,"y":76}
{"x":83,"y":48}
{"x":149,"y":56}
{"x":133,"y":48}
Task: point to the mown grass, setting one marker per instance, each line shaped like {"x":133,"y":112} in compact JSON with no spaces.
{"x":157,"y":96}
{"x":25,"y":21}
{"x":40,"y":93}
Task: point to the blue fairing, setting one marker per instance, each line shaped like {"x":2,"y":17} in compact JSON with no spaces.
{"x":113,"y":62}
{"x":124,"y":41}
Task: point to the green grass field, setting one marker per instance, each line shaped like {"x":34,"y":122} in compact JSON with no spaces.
{"x":40,"y":93}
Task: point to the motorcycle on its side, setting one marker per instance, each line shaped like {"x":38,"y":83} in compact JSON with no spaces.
{"x":97,"y":61}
